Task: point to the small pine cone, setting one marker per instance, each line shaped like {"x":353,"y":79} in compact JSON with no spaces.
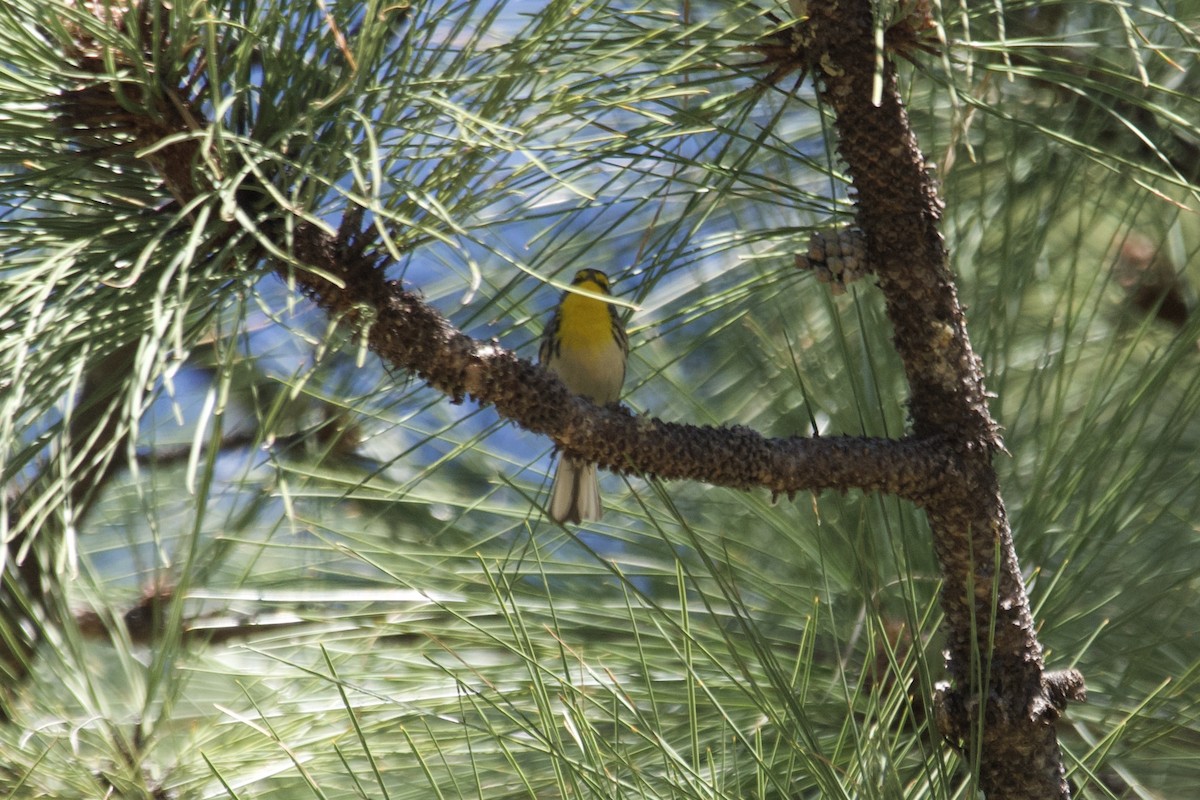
{"x":838,"y":256}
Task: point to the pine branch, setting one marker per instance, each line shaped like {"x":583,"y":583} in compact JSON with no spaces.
{"x":342,"y":277}
{"x":1000,"y":691}
{"x":1001,"y":703}
{"x":413,"y":336}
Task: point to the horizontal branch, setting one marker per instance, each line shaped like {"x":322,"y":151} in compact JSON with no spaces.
{"x":413,"y":336}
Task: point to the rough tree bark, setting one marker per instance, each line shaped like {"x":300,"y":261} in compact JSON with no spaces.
{"x":999,"y":690}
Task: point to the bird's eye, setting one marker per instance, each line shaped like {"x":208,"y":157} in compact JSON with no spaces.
{"x":591,"y":276}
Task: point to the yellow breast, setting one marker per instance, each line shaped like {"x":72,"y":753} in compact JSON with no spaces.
{"x":586,"y":322}
{"x":589,"y":358}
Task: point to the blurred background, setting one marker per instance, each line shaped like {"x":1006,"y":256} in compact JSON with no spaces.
{"x":246,"y":559}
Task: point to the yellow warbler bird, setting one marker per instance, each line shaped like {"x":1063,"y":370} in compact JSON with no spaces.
{"x":585,"y":345}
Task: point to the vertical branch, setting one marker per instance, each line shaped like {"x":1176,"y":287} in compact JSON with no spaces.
{"x":999,"y":691}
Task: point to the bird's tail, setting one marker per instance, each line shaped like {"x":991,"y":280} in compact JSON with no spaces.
{"x":575,"y":495}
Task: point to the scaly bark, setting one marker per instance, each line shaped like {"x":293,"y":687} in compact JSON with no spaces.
{"x":1000,"y":702}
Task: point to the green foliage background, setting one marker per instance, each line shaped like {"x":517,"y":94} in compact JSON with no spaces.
{"x":409,"y":624}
